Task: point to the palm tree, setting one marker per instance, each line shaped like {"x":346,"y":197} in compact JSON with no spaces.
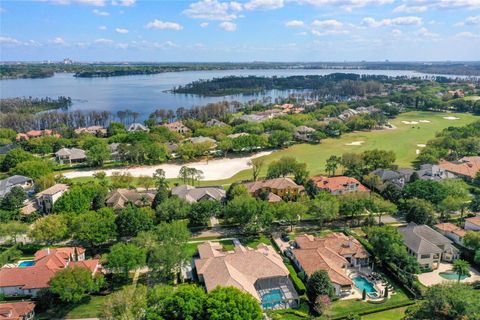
{"x":461,"y":267}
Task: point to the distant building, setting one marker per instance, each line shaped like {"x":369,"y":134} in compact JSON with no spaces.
{"x":178,"y":127}
{"x":473,"y":223}
{"x":24,"y":310}
{"x":237,"y":135}
{"x":28,"y":280}
{"x":36,"y":134}
{"x":339,"y":185}
{"x":137,"y":127}
{"x":304,"y":133}
{"x":69,"y":156}
{"x":451,"y":231}
{"x":215,"y":123}
{"x":281,"y":187}
{"x":397,"y":178}
{"x":345,"y":115}
{"x":433,"y":172}
{"x":202,"y":139}
{"x":120,"y":198}
{"x":95,"y":130}
{"x":7,"y":184}
{"x":466,"y":167}
{"x":253,"y":118}
{"x":195,"y":194}
{"x":47,"y":198}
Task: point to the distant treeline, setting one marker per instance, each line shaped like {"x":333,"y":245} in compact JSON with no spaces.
{"x":33,"y":105}
{"x":333,"y":84}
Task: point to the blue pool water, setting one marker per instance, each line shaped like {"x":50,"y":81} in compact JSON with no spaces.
{"x":362,"y":283}
{"x":271,"y":299}
{"x":26,"y":263}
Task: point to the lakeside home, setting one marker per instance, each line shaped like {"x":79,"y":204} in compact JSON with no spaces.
{"x":277,"y":189}
{"x":193,"y":194}
{"x":120,"y":198}
{"x":339,"y":185}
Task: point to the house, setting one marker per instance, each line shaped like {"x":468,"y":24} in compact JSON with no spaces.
{"x":451,"y":231}
{"x":69,"y":156}
{"x":368,"y":110}
{"x":466,"y":167}
{"x":36,"y":134}
{"x":258,"y":272}
{"x":473,"y":223}
{"x":4,"y":149}
{"x":119,"y":198}
{"x":281,"y":187}
{"x":397,"y":178}
{"x":24,"y":310}
{"x":137,"y":127}
{"x":237,"y":135}
{"x":95,"y":130}
{"x":333,"y":253}
{"x":195,"y":194}
{"x":253,"y":118}
{"x":202,"y":139}
{"x":345,"y":115}
{"x":215,"y":123}
{"x":304,"y":133}
{"x":178,"y":127}
{"x":28,"y":280}
{"x":289,"y":108}
{"x":339,"y":185}
{"x":433,"y":172}
{"x":428,"y":246}
{"x":47,"y":198}
{"x":7,"y":184}
{"x":459,"y":93}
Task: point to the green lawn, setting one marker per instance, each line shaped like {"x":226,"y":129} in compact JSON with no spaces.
{"x":87,"y":310}
{"x":392,"y":314}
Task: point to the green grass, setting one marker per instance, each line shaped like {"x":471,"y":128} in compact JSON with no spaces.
{"x":87,"y":310}
{"x":392,"y":314}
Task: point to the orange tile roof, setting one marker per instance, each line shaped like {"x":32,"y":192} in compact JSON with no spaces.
{"x":277,"y":183}
{"x":450,"y":227}
{"x":16,"y":310}
{"x":339,"y":183}
{"x":467,"y":166}
{"x":474,"y":220}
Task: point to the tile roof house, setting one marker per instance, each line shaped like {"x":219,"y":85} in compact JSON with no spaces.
{"x":333,"y":253}
{"x":30,"y":279}
{"x":451,"y":231}
{"x":68,"y":156}
{"x":119,"y":198}
{"x":7,"y":184}
{"x":255,"y":271}
{"x":178,"y":127}
{"x":36,"y":134}
{"x":466,"y":167}
{"x":304,"y":133}
{"x":281,"y":187}
{"x":202,"y":139}
{"x":135,"y":127}
{"x":473,"y":223}
{"x":215,"y":123}
{"x":428,"y":246}
{"x":95,"y":130}
{"x":339,"y":185}
{"x":194,"y":194}
{"x":24,"y":310}
{"x":47,"y":198}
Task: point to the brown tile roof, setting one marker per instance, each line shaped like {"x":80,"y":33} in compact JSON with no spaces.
{"x":467,"y":166}
{"x":119,"y":198}
{"x":450,"y":227}
{"x":474,"y":220}
{"x":327,"y":253}
{"x":277,"y":183}
{"x":16,"y":310}
{"x":59,"y":187}
{"x":340,"y":183}
{"x":240,"y":268}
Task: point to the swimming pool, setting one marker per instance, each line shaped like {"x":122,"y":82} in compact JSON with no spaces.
{"x":450,"y":275}
{"x":272,"y":298}
{"x":362,"y":283}
{"x":26,"y":263}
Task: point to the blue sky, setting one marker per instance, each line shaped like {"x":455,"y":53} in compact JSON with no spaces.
{"x":253,"y":30}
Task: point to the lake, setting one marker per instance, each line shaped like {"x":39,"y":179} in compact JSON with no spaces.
{"x":145,"y":93}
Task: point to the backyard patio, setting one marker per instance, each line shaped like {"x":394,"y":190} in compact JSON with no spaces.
{"x":432,"y":278}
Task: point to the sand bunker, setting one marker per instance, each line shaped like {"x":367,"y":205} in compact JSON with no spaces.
{"x":417,"y":151}
{"x":451,"y":118}
{"x":355,"y":143}
{"x":421,"y":145}
{"x":424,"y":121}
{"x":410,"y":122}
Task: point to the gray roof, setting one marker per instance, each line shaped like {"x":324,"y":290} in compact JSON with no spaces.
{"x":387,"y":174}
{"x":423,"y":239}
{"x":433,"y":172}
{"x":7,"y":184}
{"x":73,"y":153}
{"x":4,"y":149}
{"x":194,"y":194}
{"x":202,"y":139}
{"x":137,"y":127}
{"x":215,"y":122}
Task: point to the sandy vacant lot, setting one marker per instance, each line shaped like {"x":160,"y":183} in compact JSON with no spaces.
{"x":213,"y":170}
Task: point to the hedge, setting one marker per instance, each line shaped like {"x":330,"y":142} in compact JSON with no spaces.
{"x":297,"y":282}
{"x":380,"y":308}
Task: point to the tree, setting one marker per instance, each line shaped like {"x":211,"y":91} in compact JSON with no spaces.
{"x":129,"y":303}
{"x":124,"y":257}
{"x":419,"y":211}
{"x":290,"y":211}
{"x":236,"y":189}
{"x":430,"y":190}
{"x":44,"y":182}
{"x":156,"y":300}
{"x":186,"y":303}
{"x":15,"y":157}
{"x":202,"y":211}
{"x":378,"y":159}
{"x":325,"y":206}
{"x":379,"y":206}
{"x":50,"y":229}
{"x":446,"y":302}
{"x":311,"y":188}
{"x":332,"y":164}
{"x":229,"y":303}
{"x":472,"y":240}
{"x":13,"y":200}
{"x":171,"y":209}
{"x":160,"y":180}
{"x":321,"y":304}
{"x":278,"y":138}
{"x":74,"y":200}
{"x":477,"y":256}
{"x":133,"y":220}
{"x":33,"y":169}
{"x":95,"y":227}
{"x":257,"y":165}
{"x":13,"y":229}
{"x":461,"y":267}
{"x":252,"y":214}
{"x":72,"y":284}
{"x":319,"y":284}
{"x":98,"y":154}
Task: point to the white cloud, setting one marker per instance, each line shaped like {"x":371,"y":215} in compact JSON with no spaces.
{"x":397,"y":32}
{"x":294,"y":23}
{"x":410,"y":9}
{"x":400,"y":21}
{"x":228,"y":26}
{"x":468,"y":35}
{"x":102,"y":28}
{"x":124,"y":3}
{"x":327,"y":24}
{"x":443,"y":4}
{"x":344,"y":3}
{"x":204,"y":24}
{"x":121,"y":30}
{"x":329,"y":32}
{"x":103,"y":41}
{"x":10,"y":41}
{"x":59,"y":41}
{"x":163,"y":25}
{"x":424,"y":32}
{"x":213,"y":10}
{"x":474,"y":20}
{"x":264,"y":4}
{"x":100,"y":13}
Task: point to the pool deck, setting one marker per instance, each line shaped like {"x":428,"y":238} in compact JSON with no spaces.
{"x":432,"y":278}
{"x":356,"y":293}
